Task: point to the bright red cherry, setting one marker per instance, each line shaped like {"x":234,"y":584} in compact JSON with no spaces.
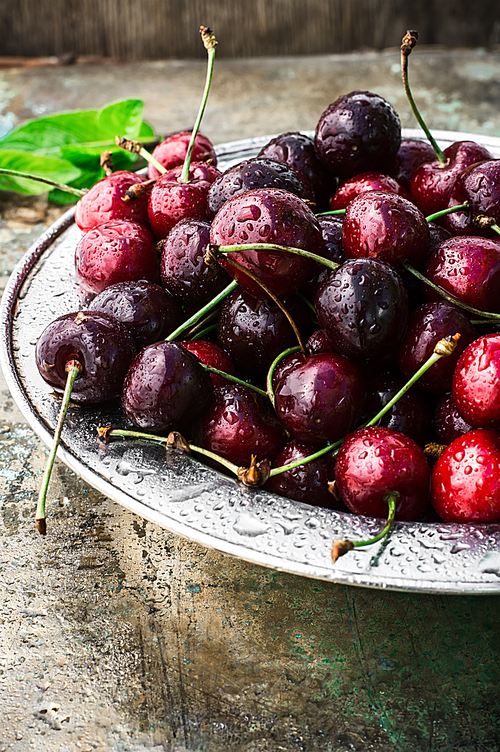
{"x":476,"y":382}
{"x":171,"y":152}
{"x":105,"y":201}
{"x":362,"y":183}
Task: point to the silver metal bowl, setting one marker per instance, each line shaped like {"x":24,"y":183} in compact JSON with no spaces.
{"x":182,"y":495}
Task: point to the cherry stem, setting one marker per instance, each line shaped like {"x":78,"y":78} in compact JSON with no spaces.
{"x":201,"y":313}
{"x":409,"y":42}
{"x":273,"y":297}
{"x":73,"y":369}
{"x":451,"y":298}
{"x":495,"y":228}
{"x":443,"y":348}
{"x":197,"y":331}
{"x":135,"y":147}
{"x":273,"y":247}
{"x":234,"y":379}
{"x":444,"y":212}
{"x":210,"y":43}
{"x":272,"y":368}
{"x":196,"y":335}
{"x":342,"y":546}
{"x":118,"y":432}
{"x":28,"y":176}
{"x":333,"y":212}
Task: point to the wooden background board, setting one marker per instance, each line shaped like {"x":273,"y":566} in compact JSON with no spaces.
{"x":154,"y":29}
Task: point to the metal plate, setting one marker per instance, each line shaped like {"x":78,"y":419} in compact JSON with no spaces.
{"x":185,"y":497}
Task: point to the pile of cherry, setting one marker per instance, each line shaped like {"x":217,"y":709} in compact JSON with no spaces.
{"x":318,"y":349}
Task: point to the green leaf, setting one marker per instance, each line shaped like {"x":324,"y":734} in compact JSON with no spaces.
{"x":59,"y":170}
{"x":122,"y":118}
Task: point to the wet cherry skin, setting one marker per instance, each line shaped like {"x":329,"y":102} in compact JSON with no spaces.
{"x":411,"y":154}
{"x":448,"y":423}
{"x":116,"y":251}
{"x":366,"y":181}
{"x":465,"y":484}
{"x":211,"y":355}
{"x":100,"y":343}
{"x":411,"y":415}
{"x":476,"y":382}
{"x":165,"y":388}
{"x":357,"y":133}
{"x":374,"y":461}
{"x":171,"y":152}
{"x":104,"y":202}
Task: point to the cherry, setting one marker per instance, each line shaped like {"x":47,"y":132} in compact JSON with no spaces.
{"x":211,"y":355}
{"x":307,"y":482}
{"x":462,"y":222}
{"x":374,"y":461}
{"x":357,"y":133}
{"x":146,"y":309}
{"x":298,"y":152}
{"x":366,"y":181}
{"x":448,"y":423}
{"x":236,"y":425}
{"x":254,"y":331}
{"x":98,"y":342}
{"x":172,"y":151}
{"x":320,"y":398}
{"x":385,"y":226}
{"x":258,"y":172}
{"x":476,"y":382}
{"x":268,"y":215}
{"x":318,"y":342}
{"x":465,"y":483}
{"x":116,"y":251}
{"x":468,"y":267}
{"x":172,"y":200}
{"x":411,"y":415}
{"x":428,"y":324}
{"x":105,"y":201}
{"x":411,"y":154}
{"x":331,"y":230}
{"x":165,"y":388}
{"x":183,"y":269}
{"x":363,"y":307}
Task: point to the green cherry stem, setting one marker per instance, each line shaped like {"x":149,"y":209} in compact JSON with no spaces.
{"x":201,"y":313}
{"x":234,"y":379}
{"x":333,"y":212}
{"x":272,"y":368}
{"x":210,"y":44}
{"x":37,"y":179}
{"x":342,"y":546}
{"x":444,"y":212}
{"x":408,"y":43}
{"x":443,"y":348}
{"x":73,"y":369}
{"x":495,"y":228}
{"x":135,"y":147}
{"x":446,"y":295}
{"x":272,"y":247}
{"x":195,"y":335}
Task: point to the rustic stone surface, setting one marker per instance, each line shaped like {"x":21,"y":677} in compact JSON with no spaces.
{"x":118,"y":635}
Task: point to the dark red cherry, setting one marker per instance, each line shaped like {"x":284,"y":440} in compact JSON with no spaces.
{"x":171,"y":152}
{"x":320,"y":398}
{"x":146,"y":309}
{"x":363,"y":307}
{"x":428,"y":324}
{"x":259,"y":172}
{"x":298,"y":152}
{"x":236,"y":425}
{"x":117,"y":251}
{"x":184,"y":272}
{"x":105,"y":202}
{"x":385,"y":226}
{"x":307,"y":483}
{"x":269,"y":215}
{"x":465,"y":484}
{"x":357,"y":133}
{"x":254,"y":331}
{"x":375,"y":461}
{"x":165,"y":388}
{"x":211,"y":355}
{"x":102,"y":346}
{"x":468,"y":267}
{"x":362,"y":183}
{"x":462,"y":222}
{"x":437,"y":234}
{"x":318,"y":342}
{"x":411,"y":154}
{"x":448,"y":423}
{"x":482,"y":189}
{"x":432,"y":182}
{"x":331,"y":229}
{"x":170,"y":200}
{"x":412,"y":413}
{"x":476,"y":382}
